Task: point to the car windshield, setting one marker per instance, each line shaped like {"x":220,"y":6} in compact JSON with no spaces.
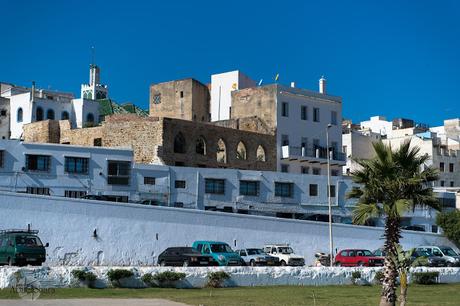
{"x":285,"y":250}
{"x":28,"y":240}
{"x":255,"y":252}
{"x":221,"y":248}
{"x":449,"y":252}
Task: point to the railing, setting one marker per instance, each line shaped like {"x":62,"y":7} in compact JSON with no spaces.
{"x":447,"y":152}
{"x":315,"y":152}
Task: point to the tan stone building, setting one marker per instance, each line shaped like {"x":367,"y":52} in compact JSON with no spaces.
{"x":167,"y":141}
{"x":185,"y":99}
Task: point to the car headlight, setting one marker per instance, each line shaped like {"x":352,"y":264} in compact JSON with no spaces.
{"x":221,"y":257}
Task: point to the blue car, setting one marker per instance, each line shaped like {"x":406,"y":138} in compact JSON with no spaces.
{"x":220,"y":251}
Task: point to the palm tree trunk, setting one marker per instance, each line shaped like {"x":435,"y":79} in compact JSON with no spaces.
{"x":390,"y":273}
{"x":403,"y":294}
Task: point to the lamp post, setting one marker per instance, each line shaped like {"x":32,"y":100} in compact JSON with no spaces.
{"x":329,"y":194}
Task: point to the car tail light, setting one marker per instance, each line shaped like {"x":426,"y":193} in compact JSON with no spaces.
{"x":194,"y":259}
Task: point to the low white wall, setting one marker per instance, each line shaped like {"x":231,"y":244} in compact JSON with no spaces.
{"x":61,"y":277}
{"x":132,"y":235}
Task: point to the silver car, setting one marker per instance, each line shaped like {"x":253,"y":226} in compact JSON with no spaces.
{"x":257,"y":257}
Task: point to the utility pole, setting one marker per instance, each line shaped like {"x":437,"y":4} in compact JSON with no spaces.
{"x":329,"y":195}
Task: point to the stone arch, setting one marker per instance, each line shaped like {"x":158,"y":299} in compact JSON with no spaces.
{"x":19,"y":115}
{"x":50,"y":114}
{"x":241,"y":151}
{"x":200,"y":146}
{"x":260,"y":153}
{"x":179,"y":143}
{"x":221,"y":151}
{"x":39,"y":114}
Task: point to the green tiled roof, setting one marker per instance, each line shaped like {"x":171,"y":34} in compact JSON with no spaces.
{"x":109,"y":107}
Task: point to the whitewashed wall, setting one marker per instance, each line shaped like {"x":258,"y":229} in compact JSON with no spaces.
{"x":130,"y":234}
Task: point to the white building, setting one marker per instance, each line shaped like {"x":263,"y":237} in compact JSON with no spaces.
{"x":222,"y":85}
{"x":94,"y":90}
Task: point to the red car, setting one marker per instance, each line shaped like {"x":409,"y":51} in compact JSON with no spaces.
{"x":357,"y":257}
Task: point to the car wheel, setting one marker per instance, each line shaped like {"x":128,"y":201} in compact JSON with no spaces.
{"x":360,"y":264}
{"x":252,"y":263}
{"x":186,"y":263}
{"x":338,"y":264}
{"x":449,"y":264}
{"x":10,"y":261}
{"x":162,"y":263}
{"x":283,"y":263}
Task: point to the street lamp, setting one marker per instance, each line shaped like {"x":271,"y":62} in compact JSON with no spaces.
{"x":329,"y":194}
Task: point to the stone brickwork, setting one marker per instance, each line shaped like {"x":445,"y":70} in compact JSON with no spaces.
{"x":256,"y":101}
{"x":47,"y":131}
{"x":251,"y":124}
{"x":185,"y":99}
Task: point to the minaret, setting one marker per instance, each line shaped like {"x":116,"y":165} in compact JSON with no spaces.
{"x":94,"y":90}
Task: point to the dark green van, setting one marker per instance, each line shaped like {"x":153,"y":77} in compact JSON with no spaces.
{"x":21,"y":247}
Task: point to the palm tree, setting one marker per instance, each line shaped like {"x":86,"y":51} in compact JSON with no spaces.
{"x":392,"y":183}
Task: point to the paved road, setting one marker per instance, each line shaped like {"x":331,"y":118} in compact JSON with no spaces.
{"x":91,"y":302}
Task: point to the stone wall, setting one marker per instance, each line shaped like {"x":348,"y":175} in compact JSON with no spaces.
{"x":82,"y":137}
{"x":46,"y":131}
{"x":251,"y":124}
{"x":185,"y":99}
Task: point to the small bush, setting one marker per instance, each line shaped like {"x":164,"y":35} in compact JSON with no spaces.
{"x":425,"y":278}
{"x":84,"y":276}
{"x":116,"y":275}
{"x":148,"y":280}
{"x":216,"y":279}
{"x":355,"y":275}
{"x":168,"y":278}
{"x":378,"y":278}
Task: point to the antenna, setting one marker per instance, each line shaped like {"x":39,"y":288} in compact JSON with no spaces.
{"x":93,"y":56}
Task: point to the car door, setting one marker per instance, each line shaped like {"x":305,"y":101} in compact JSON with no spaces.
{"x":244,"y":255}
{"x":351,"y":258}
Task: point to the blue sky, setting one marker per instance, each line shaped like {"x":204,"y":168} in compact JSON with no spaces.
{"x":392,"y":58}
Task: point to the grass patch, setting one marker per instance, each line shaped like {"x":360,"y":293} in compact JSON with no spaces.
{"x":440,"y":295}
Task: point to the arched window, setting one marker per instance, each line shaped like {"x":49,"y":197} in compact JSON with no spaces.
{"x":90,"y":118}
{"x":39,"y":114}
{"x":19,"y":115}
{"x":65,"y":115}
{"x":179,"y":143}
{"x":221,"y":151}
{"x":50,"y":114}
{"x":260,"y":154}
{"x":241,"y":151}
{"x":200,"y":147}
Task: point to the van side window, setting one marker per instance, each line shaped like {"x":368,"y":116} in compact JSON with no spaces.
{"x":273,"y":250}
{"x":344,"y":253}
{"x":436,"y":252}
{"x":206,"y":249}
{"x":351,"y":253}
{"x":199,"y":247}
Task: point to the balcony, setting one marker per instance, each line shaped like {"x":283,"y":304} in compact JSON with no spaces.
{"x":313,"y":154}
{"x":442,"y":151}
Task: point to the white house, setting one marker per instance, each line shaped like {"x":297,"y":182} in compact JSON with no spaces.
{"x":222,"y":84}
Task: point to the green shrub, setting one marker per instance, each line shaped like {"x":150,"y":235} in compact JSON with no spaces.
{"x":168,"y":278}
{"x":84,"y":276}
{"x":116,"y":275}
{"x":216,"y":279}
{"x":450,"y":224}
{"x":355,"y":275}
{"x":148,"y":280}
{"x":378,"y":278}
{"x":425,"y":278}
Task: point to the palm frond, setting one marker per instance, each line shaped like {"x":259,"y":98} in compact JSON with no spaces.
{"x":363,"y":212}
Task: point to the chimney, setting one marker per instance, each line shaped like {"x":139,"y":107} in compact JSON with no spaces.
{"x":322,"y":85}
{"x":32,"y":93}
{"x":293,"y":84}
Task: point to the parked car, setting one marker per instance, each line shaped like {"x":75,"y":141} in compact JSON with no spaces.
{"x":149,"y":202}
{"x":285,"y":254}
{"x":380,"y":252}
{"x":220,"y":251}
{"x":184,"y":256}
{"x":21,"y":247}
{"x":257,"y":257}
{"x":357,"y":257}
{"x":452,"y":258}
{"x":432,"y":261}
{"x":417,"y":228}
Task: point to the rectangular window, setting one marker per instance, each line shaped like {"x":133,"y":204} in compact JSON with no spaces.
{"x":284,"y":168}
{"x":313,"y":190}
{"x":2,"y":154}
{"x":441,"y":167}
{"x":284,"y":189}
{"x":334,"y":172}
{"x":333,"y":117}
{"x":38,"y":190}
{"x":214,"y":186}
{"x":284,"y":140}
{"x":451,"y":167}
{"x":181,"y":94}
{"x":442,"y":183}
{"x":332,"y":191}
{"x":97,"y":142}
{"x":37,"y":163}
{"x":451,"y":184}
{"x":285,"y":109}
{"x":118,"y":172}
{"x":249,"y":188}
{"x":316,"y":114}
{"x":74,"y":194}
{"x":179,"y":184}
{"x":303,"y":112}
{"x":304,"y":170}
{"x":316,"y":171}
{"x":76,"y":165}
{"x":148,"y":180}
